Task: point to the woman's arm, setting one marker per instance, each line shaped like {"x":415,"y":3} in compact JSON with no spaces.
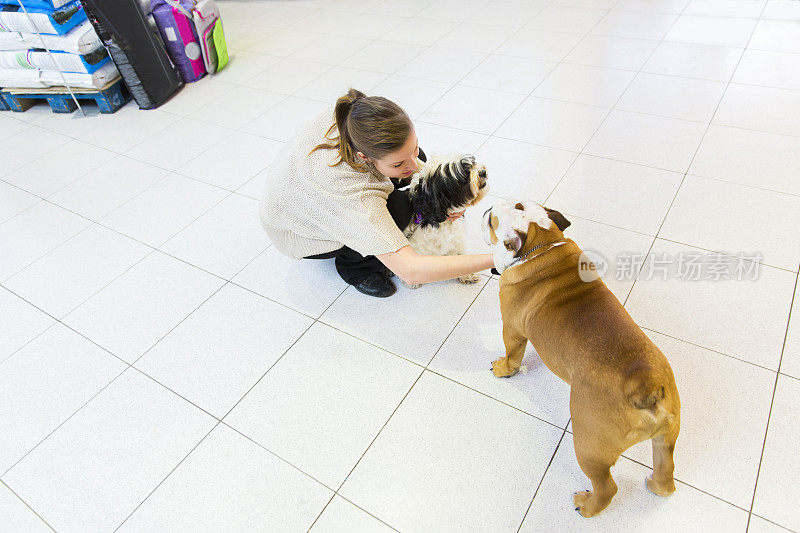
{"x":415,"y":269}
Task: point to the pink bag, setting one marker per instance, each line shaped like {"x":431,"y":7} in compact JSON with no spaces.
{"x":174,"y":20}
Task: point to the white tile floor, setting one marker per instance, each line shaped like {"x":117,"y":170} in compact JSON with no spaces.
{"x":163,"y":368}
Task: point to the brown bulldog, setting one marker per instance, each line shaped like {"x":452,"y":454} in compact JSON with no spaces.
{"x":622,"y":387}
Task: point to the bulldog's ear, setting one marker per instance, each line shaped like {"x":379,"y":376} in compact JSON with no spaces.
{"x":559,"y":219}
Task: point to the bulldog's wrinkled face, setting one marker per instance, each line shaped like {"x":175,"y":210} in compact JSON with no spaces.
{"x":509,"y":224}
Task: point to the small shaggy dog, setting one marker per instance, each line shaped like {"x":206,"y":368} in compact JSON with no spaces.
{"x":444,"y":187}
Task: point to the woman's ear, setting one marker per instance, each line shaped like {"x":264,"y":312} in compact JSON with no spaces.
{"x":362,"y":157}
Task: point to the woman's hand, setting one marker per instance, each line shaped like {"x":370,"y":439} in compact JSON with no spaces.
{"x":456,"y":215}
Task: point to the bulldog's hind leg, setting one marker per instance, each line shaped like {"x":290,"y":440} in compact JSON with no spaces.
{"x":515,"y":350}
{"x":661,"y":481}
{"x":596,"y":463}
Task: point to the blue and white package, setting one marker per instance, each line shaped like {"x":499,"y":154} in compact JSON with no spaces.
{"x":53,"y":21}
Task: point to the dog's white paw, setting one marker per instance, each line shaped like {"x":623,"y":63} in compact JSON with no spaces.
{"x":412,"y":287}
{"x":469,"y":278}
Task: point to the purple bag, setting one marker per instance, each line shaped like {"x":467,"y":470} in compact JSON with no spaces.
{"x":174,"y":20}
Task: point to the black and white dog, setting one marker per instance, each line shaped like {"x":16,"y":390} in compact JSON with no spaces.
{"x":441,"y":191}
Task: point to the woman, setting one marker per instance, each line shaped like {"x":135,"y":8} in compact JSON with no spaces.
{"x":331,"y":195}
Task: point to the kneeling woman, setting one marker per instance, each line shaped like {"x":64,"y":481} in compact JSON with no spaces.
{"x":330,"y":194}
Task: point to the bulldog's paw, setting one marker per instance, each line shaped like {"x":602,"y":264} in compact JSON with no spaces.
{"x":586,"y":504}
{"x":663,"y":489}
{"x":412,"y":287}
{"x":469,"y":278}
{"x":501,"y":369}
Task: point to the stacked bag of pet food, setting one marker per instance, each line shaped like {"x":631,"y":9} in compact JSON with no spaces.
{"x":192,"y":33}
{"x":76,"y":55}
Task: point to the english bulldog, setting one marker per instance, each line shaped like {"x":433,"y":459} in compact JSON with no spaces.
{"x":622,"y":387}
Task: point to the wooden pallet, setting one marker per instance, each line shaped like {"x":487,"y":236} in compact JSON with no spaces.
{"x":110,"y":98}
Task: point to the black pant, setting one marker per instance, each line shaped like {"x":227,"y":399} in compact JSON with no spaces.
{"x":354,"y":267}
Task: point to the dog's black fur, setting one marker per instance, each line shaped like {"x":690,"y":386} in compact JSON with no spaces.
{"x":447,"y":187}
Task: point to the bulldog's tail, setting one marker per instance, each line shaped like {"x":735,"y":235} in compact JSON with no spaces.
{"x":643,"y":386}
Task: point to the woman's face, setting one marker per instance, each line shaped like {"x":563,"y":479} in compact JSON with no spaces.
{"x":399,"y":164}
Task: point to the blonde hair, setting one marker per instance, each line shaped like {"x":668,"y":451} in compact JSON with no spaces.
{"x":372,"y":125}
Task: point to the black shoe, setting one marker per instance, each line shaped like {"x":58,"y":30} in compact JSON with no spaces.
{"x":376,"y":284}
{"x":386,"y":272}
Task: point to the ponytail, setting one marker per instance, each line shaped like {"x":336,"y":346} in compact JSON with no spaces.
{"x":371,"y":125}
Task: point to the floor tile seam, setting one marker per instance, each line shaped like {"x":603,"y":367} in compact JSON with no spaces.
{"x":447,"y":91}
{"x":167,"y":476}
{"x":82,"y":175}
{"x":190,"y":314}
{"x":533,"y":90}
{"x":498,"y":400}
{"x":364,"y":510}
{"x":63,"y":422}
{"x":729,"y":181}
{"x":277,"y":456}
{"x":684,"y":482}
{"x":784,"y":528}
{"x":344,"y":63}
{"x":60,"y":321}
{"x":608,"y":110}
{"x":772,"y":400}
{"x":689,"y":166}
{"x":452,"y":330}
{"x":66,"y":139}
{"x":388,"y":419}
{"x":726,"y":356}
{"x":271,"y":366}
{"x":26,"y":505}
{"x":726,"y":254}
{"x":683,"y":177}
{"x":541,"y":480}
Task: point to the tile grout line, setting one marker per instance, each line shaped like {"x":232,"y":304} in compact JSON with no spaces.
{"x":686,"y":483}
{"x":455,"y":84}
{"x":67,"y":138}
{"x":613,"y":107}
{"x":772,"y":402}
{"x":489,"y":396}
{"x":783,"y":528}
{"x":355,"y":505}
{"x":26,"y":504}
{"x":694,"y":155}
{"x":8,"y":174}
{"x":452,"y":330}
{"x":541,"y":481}
{"x":712,"y":350}
{"x":342,"y":63}
{"x":84,"y":404}
{"x":322,"y":512}
{"x":220,"y":420}
{"x":167,"y":476}
{"x":350,"y":473}
{"x":557,"y":63}
{"x":283,"y":460}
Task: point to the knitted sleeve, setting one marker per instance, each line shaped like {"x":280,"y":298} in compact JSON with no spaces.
{"x":358,"y":217}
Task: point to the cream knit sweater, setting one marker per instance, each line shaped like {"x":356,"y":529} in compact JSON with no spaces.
{"x":311,"y":208}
